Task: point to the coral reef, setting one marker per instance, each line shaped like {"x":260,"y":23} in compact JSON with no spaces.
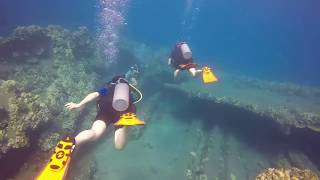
{"x":70,"y":86}
{"x":57,"y":67}
{"x":65,"y":70}
{"x":26,"y":113}
{"x":82,"y":43}
{"x":28,"y":43}
{"x":3,"y":118}
{"x":8,"y":86}
{"x":35,"y":79}
{"x":48,"y":141}
{"x":287,"y":174}
{"x":24,"y":43}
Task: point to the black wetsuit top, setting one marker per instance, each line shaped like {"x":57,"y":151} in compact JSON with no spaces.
{"x":105,"y":111}
{"x":178,"y":59}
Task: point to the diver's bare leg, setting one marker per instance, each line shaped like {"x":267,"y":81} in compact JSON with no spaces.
{"x":175,"y":74}
{"x":169,"y":61}
{"x":120,"y":137}
{"x":97,"y":129}
{"x":195,"y":72}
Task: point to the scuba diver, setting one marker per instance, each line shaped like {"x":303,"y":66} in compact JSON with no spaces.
{"x":115,"y":106}
{"x":181,"y":59}
{"x":112,"y":102}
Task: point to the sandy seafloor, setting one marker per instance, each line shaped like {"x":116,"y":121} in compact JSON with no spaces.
{"x":165,"y":151}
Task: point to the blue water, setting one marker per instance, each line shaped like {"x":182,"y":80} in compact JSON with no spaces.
{"x":269,"y":39}
{"x":277,"y":40}
{"x":69,"y":14}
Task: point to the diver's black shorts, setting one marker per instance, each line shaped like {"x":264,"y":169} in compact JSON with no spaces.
{"x":111,"y":116}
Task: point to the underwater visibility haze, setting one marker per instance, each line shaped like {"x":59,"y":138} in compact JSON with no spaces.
{"x":106,"y":90}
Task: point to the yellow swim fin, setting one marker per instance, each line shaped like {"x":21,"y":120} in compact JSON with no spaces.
{"x":129,"y":119}
{"x":58,"y":166}
{"x":208,"y":76}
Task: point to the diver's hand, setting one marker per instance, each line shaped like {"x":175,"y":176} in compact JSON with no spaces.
{"x":72,"y":105}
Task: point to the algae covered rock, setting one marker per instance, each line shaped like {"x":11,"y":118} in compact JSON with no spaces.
{"x":82,"y":43}
{"x":25,"y":114}
{"x":29,"y":43}
{"x":3,"y":118}
{"x":48,"y":141}
{"x":71,"y":85}
{"x":53,"y":70}
{"x":24,"y":42}
{"x":8,"y":86}
{"x":287,"y":174}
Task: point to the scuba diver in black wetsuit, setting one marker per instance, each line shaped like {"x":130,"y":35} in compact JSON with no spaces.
{"x":115,"y":106}
{"x":181,"y":59}
{"x":112,"y":102}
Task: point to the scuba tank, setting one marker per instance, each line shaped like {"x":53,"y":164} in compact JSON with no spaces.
{"x":185,"y":50}
{"x":121,"y":95}
{"x":120,"y":101}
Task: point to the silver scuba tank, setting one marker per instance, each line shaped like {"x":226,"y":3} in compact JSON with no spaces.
{"x":186,"y":52}
{"x":120,"y":101}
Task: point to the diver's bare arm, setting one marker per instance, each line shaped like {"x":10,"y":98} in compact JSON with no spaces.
{"x":90,"y":97}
